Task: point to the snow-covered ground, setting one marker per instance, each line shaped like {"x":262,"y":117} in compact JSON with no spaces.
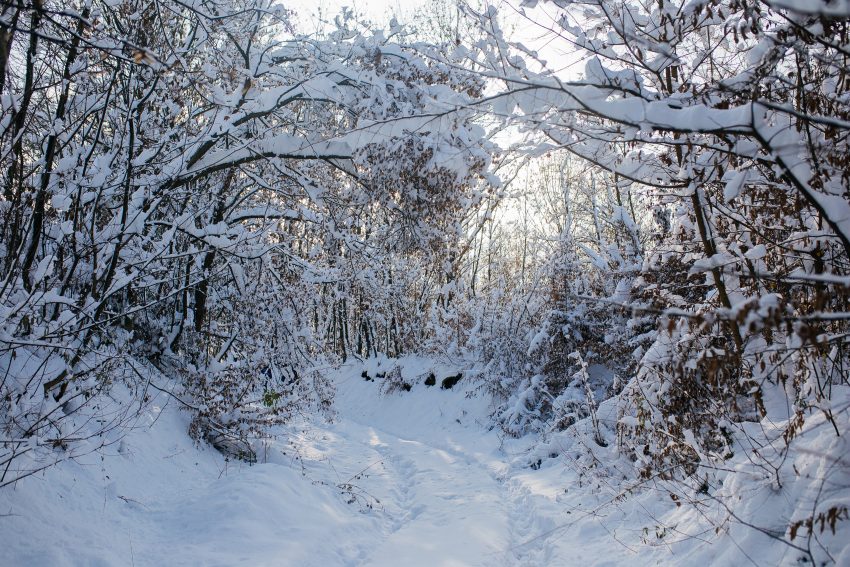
{"x":407,"y":478}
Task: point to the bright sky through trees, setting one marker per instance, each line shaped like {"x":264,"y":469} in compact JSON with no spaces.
{"x":378,"y":11}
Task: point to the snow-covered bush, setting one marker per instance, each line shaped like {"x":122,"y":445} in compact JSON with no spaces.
{"x":728,"y":120}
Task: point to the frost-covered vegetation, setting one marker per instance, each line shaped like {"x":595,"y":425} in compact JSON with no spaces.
{"x":633,"y":244}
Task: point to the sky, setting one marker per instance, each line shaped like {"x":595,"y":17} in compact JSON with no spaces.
{"x":532,"y":31}
{"x":379,"y":11}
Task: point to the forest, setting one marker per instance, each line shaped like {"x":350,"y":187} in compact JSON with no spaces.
{"x":596,"y":246}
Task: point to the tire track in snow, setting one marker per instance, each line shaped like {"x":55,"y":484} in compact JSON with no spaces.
{"x":441,"y":505}
{"x":530,"y":532}
{"x":403,"y":473}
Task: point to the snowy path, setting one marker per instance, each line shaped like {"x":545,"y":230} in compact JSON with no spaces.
{"x":445,"y":487}
{"x":448,"y":507}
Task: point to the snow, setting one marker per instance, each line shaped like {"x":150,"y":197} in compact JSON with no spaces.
{"x":406,"y":478}
{"x":833,"y":8}
{"x":734,"y":186}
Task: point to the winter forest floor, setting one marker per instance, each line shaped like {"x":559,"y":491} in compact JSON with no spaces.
{"x":408,"y":478}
